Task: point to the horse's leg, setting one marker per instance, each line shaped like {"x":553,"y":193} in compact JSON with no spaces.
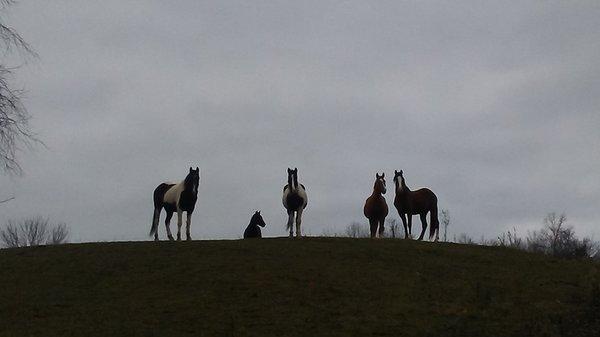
{"x":373,"y":227}
{"x":298,"y":223}
{"x":167,"y":222}
{"x":179,"y":224}
{"x":409,"y":216}
{"x":290,"y":223}
{"x":403,"y":218}
{"x":423,"y":217}
{"x":381,"y":227}
{"x":188,"y":224}
{"x":155,"y":222}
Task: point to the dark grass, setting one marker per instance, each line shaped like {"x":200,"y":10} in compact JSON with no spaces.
{"x":283,"y":287}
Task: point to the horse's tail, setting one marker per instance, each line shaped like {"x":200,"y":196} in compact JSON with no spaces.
{"x":435,"y":222}
{"x":155,"y":217}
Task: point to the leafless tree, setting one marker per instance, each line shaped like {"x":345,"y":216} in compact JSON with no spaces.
{"x":394,"y":226}
{"x":510,"y":239}
{"x":357,"y":230}
{"x":556,"y":230}
{"x":33,"y":232}
{"x":14,"y":117}
{"x":445,"y":222}
{"x":59,"y":234}
{"x":10,"y":235}
{"x":463,"y":238}
{"x":558,"y":239}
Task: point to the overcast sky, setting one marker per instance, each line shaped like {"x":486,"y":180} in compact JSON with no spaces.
{"x":492,"y":105}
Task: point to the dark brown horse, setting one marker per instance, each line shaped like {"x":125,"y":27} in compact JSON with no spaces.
{"x":421,"y":201}
{"x":376,"y":208}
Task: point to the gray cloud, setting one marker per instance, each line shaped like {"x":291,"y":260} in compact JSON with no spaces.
{"x":494,"y":107}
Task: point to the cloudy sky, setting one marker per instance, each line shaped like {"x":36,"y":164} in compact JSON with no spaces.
{"x":493,"y":105}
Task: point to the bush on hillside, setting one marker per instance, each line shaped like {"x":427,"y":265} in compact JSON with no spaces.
{"x":33,"y":232}
{"x":559,"y":240}
{"x":357,"y":230}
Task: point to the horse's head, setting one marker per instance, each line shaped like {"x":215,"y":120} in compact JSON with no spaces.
{"x":257,"y":219}
{"x":192,"y":180}
{"x":380,"y":183}
{"x":293,"y":178}
{"x":398,"y":178}
{"x":399,"y":181}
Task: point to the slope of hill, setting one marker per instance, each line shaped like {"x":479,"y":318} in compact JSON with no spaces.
{"x":282,"y":287}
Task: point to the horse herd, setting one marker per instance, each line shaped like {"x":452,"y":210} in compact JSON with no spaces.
{"x":182,"y":198}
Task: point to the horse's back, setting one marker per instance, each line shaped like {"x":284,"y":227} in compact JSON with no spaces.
{"x":419,"y":201}
{"x":159,"y":193}
{"x":426,"y":195}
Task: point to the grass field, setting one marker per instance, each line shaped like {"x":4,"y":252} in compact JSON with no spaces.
{"x":283,"y":287}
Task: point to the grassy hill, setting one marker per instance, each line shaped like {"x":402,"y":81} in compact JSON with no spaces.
{"x":282,"y":287}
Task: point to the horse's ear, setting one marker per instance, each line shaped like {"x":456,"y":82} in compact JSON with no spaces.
{"x":197,"y":169}
{"x":289,"y":171}
{"x":191,"y":169}
{"x":395,"y":172}
{"x":383,"y":175}
{"x":258,"y":212}
{"x":401,"y":173}
{"x":295,"y":170}
{"x":376,"y":175}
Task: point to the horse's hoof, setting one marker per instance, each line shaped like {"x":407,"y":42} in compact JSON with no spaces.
{"x":171,"y":238}
{"x":189,"y":238}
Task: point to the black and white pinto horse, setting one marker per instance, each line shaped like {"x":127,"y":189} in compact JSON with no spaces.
{"x":294,"y":201}
{"x":253,"y":231}
{"x":176,"y":198}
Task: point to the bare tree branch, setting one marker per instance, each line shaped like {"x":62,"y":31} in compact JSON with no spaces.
{"x":9,"y":235}
{"x":58,"y":235}
{"x":445,"y":222}
{"x":14,"y":117}
{"x":6,"y":200}
{"x":33,"y":232}
{"x":357,"y":230}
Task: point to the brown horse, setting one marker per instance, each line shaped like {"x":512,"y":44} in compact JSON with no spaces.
{"x":420,"y":202}
{"x":376,"y":208}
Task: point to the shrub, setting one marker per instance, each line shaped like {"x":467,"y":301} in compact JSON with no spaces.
{"x":33,"y":232}
{"x":357,"y":230}
{"x":559,"y":240}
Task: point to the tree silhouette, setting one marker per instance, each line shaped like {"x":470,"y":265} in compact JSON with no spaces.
{"x":14,"y":117}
